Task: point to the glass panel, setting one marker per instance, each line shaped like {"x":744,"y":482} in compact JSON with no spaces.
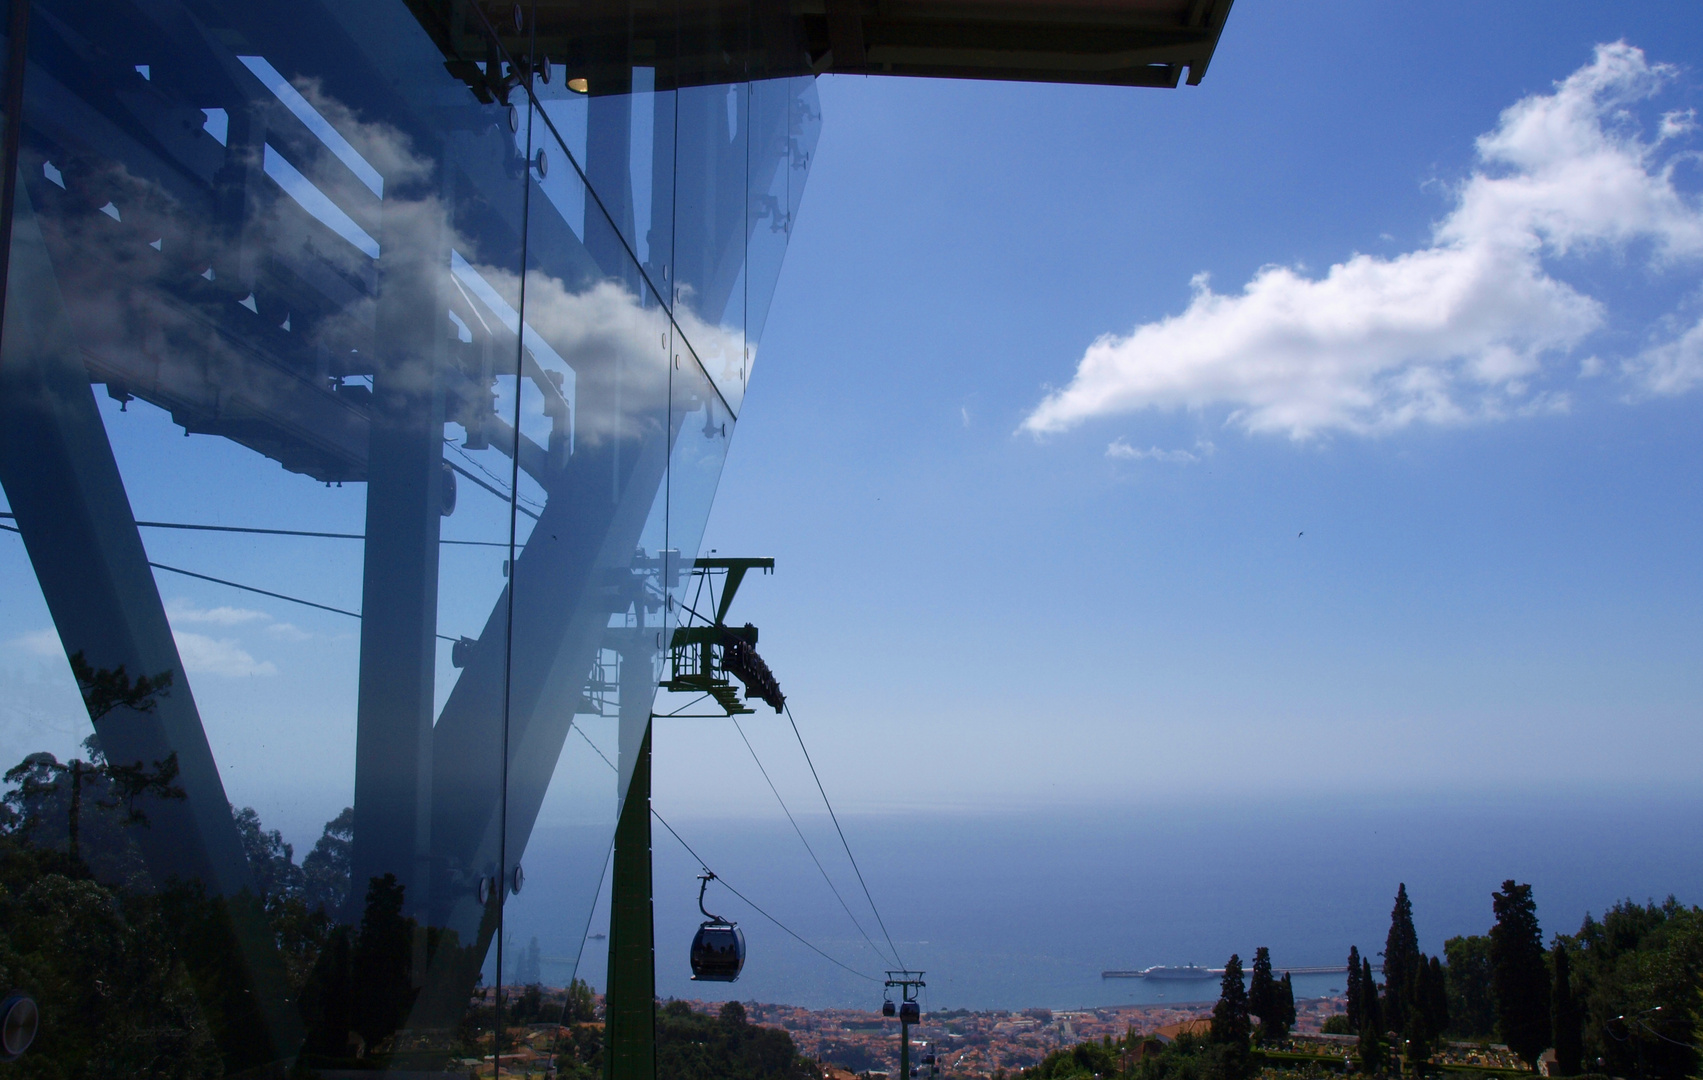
{"x":786,"y":119}
{"x":291,"y":232}
{"x":590,"y":573}
{"x":710,"y":225}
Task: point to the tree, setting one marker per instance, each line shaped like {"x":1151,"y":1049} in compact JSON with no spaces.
{"x":1437,"y":999}
{"x":40,"y":778}
{"x":1285,"y":1007}
{"x":1356,"y":993}
{"x":1635,"y":973}
{"x":1472,"y":1013}
{"x":1565,"y":1018}
{"x":270,"y":859}
{"x":1371,"y":1007}
{"x":1424,"y":1017}
{"x":1518,"y":978}
{"x":1230,"y":1015}
{"x":1262,"y":993}
{"x":326,"y":868}
{"x":1401,"y":948}
{"x":1371,"y":1047}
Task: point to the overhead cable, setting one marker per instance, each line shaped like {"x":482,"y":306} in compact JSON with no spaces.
{"x":835,"y":818}
{"x":283,"y":532}
{"x":807,"y":847}
{"x":268,"y":592}
{"x":730,"y":888}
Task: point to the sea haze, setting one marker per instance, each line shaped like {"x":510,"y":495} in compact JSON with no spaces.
{"x":1014,"y":910}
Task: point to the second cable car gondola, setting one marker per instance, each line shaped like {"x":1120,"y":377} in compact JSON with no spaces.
{"x":718,"y":948}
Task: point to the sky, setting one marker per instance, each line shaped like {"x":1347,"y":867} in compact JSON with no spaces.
{"x":1327,"y":427}
{"x":1324,"y":434}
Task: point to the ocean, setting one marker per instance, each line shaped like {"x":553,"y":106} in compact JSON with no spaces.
{"x":1014,"y":910}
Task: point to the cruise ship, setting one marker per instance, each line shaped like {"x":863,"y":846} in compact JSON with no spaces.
{"x":1165,"y":971}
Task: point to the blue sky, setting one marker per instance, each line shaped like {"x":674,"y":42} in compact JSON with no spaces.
{"x":1485,"y":430}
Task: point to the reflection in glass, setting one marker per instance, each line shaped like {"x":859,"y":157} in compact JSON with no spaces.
{"x":352,"y":467}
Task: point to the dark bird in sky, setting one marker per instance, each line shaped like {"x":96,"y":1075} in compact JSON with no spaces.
{"x":1300,"y":534}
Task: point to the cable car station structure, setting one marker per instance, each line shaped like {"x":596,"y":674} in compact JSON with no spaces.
{"x":448,"y":308}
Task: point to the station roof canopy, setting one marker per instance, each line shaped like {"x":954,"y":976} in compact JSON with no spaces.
{"x":701,"y":42}
{"x":1116,"y":42}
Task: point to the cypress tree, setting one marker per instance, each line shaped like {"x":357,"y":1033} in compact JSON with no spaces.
{"x":1356,"y":1011}
{"x":1262,"y":993}
{"x":1372,"y":1013}
{"x":1566,"y":1016}
{"x":1230,"y":1015}
{"x":1437,"y":999}
{"x":1285,"y":1006}
{"x":1371,"y":1047}
{"x":1401,"y":948}
{"x":1518,"y":978}
{"x":1416,"y":1030}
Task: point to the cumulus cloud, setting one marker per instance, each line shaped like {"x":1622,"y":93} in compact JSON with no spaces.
{"x":203,"y":655}
{"x":1456,"y":331}
{"x":1120,"y":450}
{"x":185,"y":612}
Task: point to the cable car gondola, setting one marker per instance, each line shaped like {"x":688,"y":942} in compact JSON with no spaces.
{"x":909,"y":1013}
{"x":888,"y":1008}
{"x":718,"y":949}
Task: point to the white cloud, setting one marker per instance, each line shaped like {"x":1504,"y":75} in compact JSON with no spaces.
{"x":203,"y":655}
{"x":182,"y":611}
{"x":1672,"y":367}
{"x":288,"y":632}
{"x":1121,"y":450}
{"x":43,"y":643}
{"x":1450,"y":333}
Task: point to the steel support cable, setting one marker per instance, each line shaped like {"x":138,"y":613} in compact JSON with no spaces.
{"x":836,"y":820}
{"x":493,"y":489}
{"x":250,"y":588}
{"x":700,"y":860}
{"x":281,"y":532}
{"x":832,"y":888}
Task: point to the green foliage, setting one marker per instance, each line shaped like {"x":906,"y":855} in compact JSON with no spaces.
{"x":1519,"y":979}
{"x":1230,"y":1025}
{"x":1565,"y":1018}
{"x":1401,"y":953}
{"x":1189,"y":1058}
{"x":1356,"y":992}
{"x":1637,"y":972}
{"x":1279,"y":1025}
{"x":1088,"y":1059}
{"x":1372,"y":1049}
{"x":1472,"y":1011}
{"x":109,"y":1005}
{"x":1262,"y":994}
{"x":692,"y":1046}
{"x":580,"y":1007}
{"x":1338,"y":1024}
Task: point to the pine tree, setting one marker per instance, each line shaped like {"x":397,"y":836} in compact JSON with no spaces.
{"x":1566,"y":1015}
{"x":1401,"y":948}
{"x":1262,"y":993}
{"x":1518,"y":978}
{"x":1230,"y":1015}
{"x":1356,"y":1011}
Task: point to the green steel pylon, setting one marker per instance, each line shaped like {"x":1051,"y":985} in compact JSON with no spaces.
{"x":629,"y":1005}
